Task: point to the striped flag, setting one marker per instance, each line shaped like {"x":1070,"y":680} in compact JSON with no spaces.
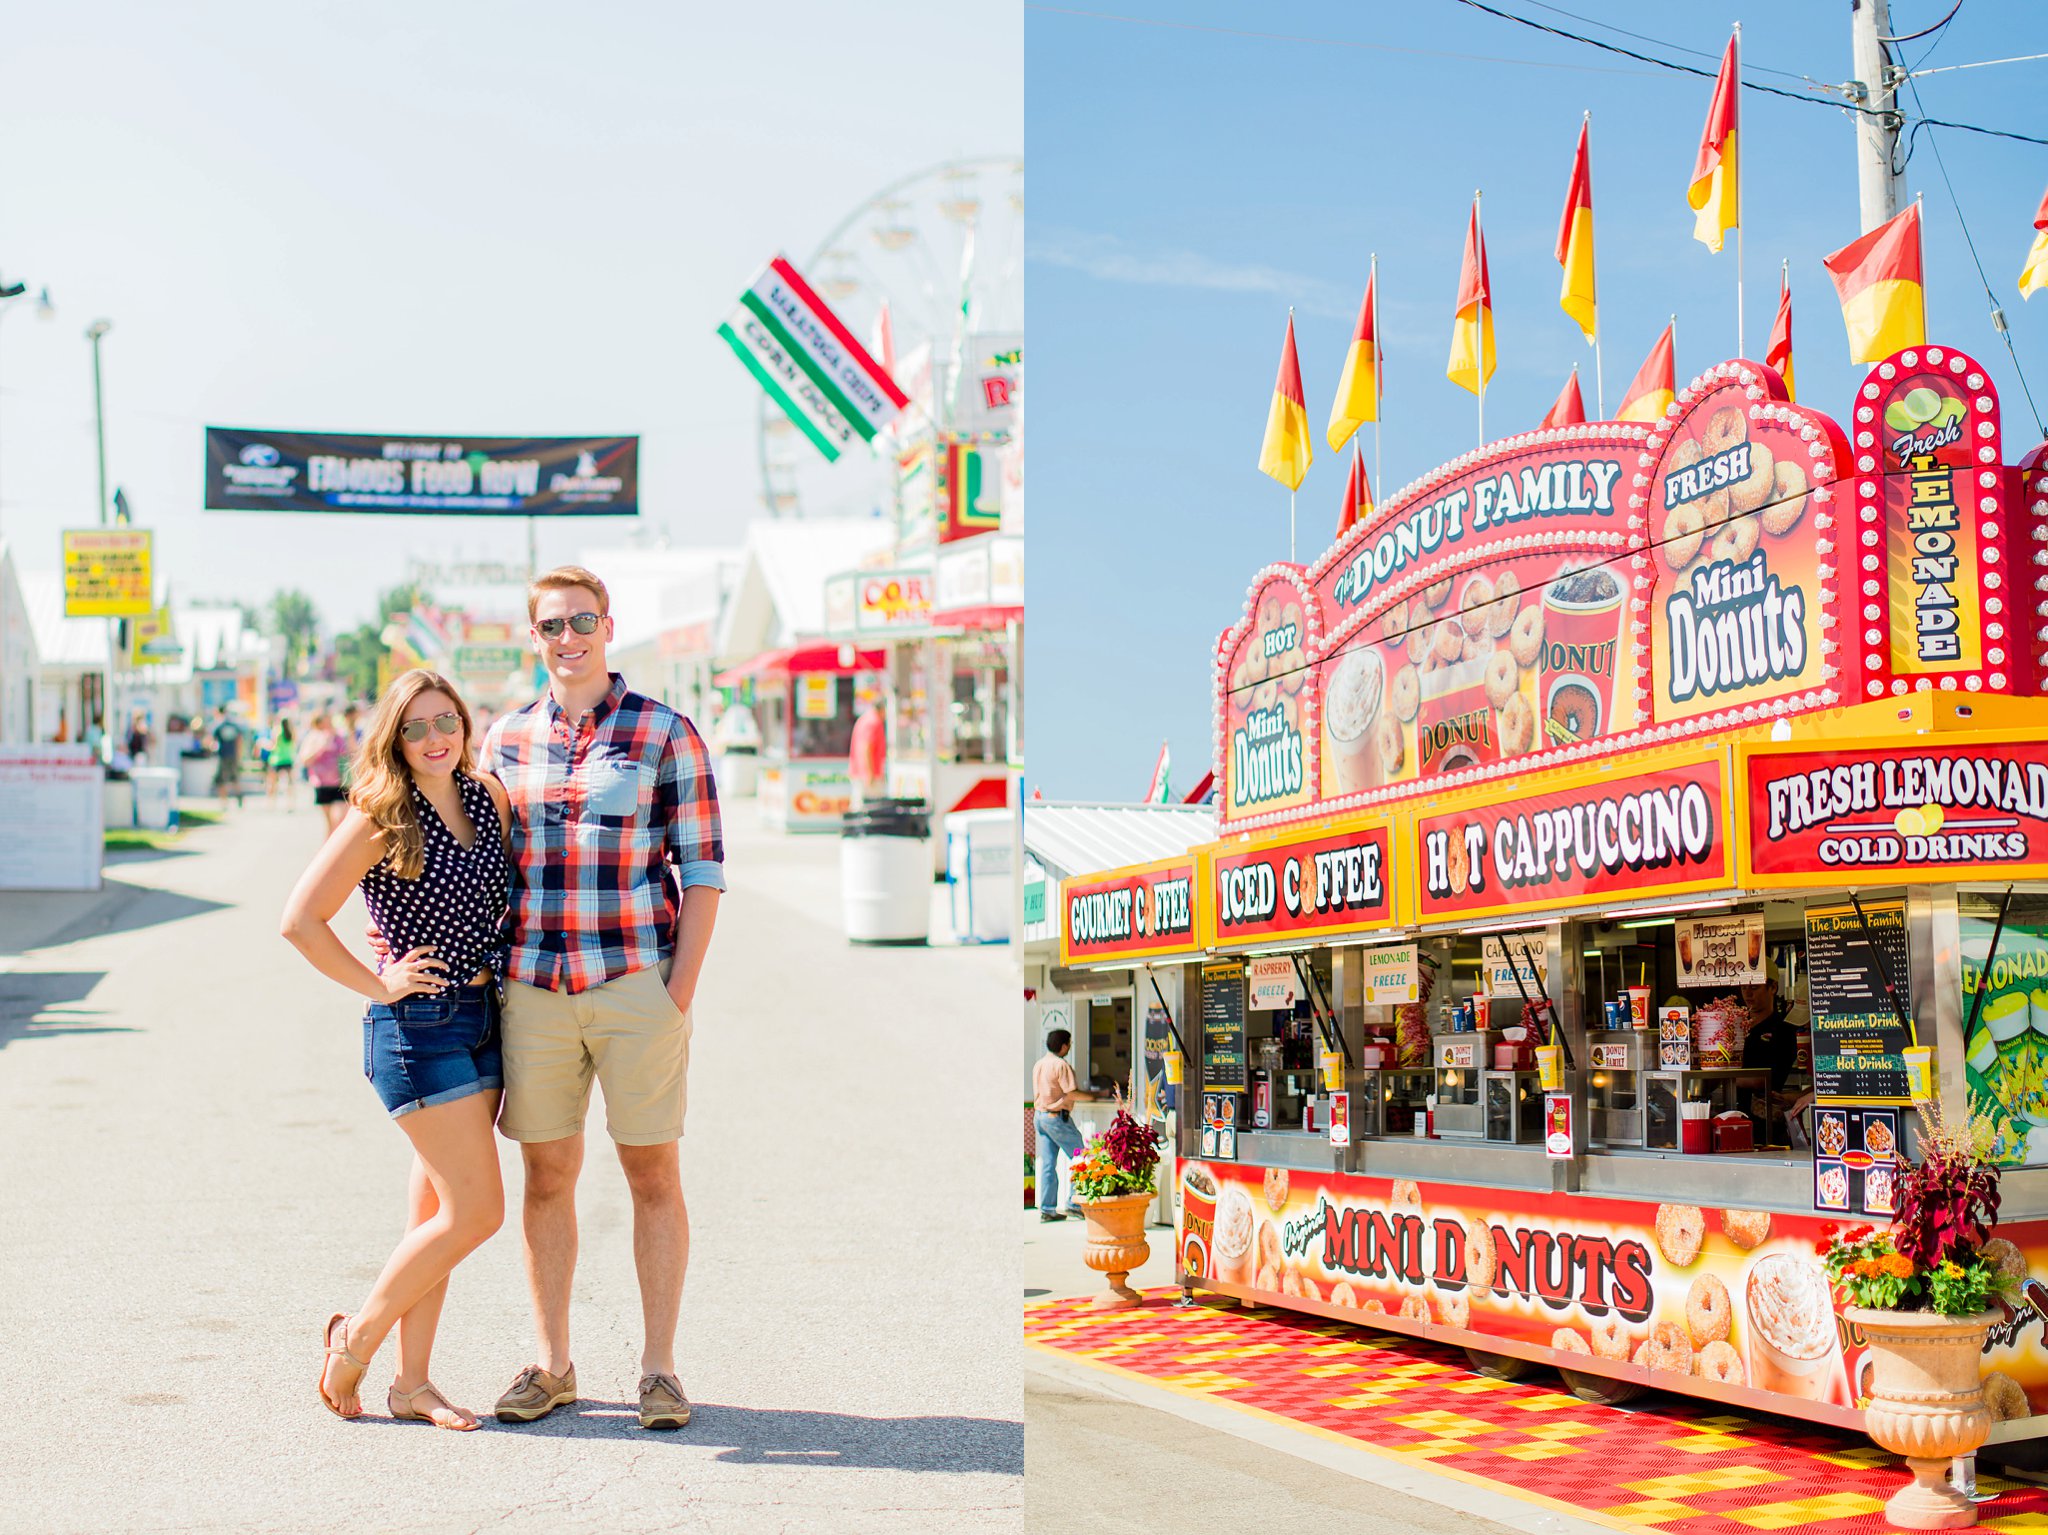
{"x":1877,"y":277}
{"x":1652,"y":390}
{"x":1779,"y":352}
{"x":1358,"y":387}
{"x":2034,"y":271}
{"x":1716,"y":190}
{"x":1161,"y":790}
{"x":1570,"y":409}
{"x":1471,"y":362}
{"x":809,"y":363}
{"x":1287,"y":451}
{"x":1575,"y":242}
{"x":1357,"y":494}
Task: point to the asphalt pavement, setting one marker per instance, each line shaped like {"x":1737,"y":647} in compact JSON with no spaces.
{"x":194,"y":1174}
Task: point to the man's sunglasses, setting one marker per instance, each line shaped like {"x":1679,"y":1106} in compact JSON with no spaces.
{"x":415,"y":731}
{"x":582,"y":623}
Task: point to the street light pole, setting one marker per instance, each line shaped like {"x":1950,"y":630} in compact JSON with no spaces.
{"x":93,"y":333}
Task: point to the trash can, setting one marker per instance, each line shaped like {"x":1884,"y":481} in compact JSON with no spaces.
{"x":981,"y":871}
{"x":885,"y":871}
{"x":195,"y":775}
{"x":156,"y":797}
{"x":738,"y":769}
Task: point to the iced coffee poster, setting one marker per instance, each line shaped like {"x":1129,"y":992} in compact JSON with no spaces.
{"x":1521,"y":656}
{"x":1742,"y":518}
{"x":1264,"y":661}
{"x":1720,"y":1300}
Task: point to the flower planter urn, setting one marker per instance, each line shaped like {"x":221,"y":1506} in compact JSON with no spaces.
{"x":1116,"y":1245}
{"x":1926,"y":1404}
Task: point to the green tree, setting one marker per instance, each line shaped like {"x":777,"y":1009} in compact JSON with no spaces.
{"x":294,"y":618}
{"x":360,"y":652}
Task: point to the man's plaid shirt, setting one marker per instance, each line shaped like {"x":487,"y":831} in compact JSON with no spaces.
{"x":613,"y":817}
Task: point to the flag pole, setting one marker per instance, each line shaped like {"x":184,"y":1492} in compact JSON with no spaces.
{"x":1290,"y":527}
{"x":1372,"y":281}
{"x":1599,"y":378}
{"x":1738,"y":203}
{"x":1479,"y":320}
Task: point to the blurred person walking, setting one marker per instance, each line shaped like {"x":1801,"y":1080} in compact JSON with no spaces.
{"x":322,"y":753}
{"x":278,"y":763}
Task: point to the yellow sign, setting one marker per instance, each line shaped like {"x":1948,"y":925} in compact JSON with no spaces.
{"x":107,"y":573}
{"x":150,"y":640}
{"x":817,"y":696}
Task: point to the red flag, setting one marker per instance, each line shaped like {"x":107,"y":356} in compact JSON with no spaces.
{"x":1715,"y":193}
{"x":1779,"y":353}
{"x":1357,"y":494}
{"x":1570,"y":409}
{"x":1471,"y":363}
{"x":1651,"y":391}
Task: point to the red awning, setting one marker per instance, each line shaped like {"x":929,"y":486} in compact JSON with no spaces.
{"x":986,"y":616}
{"x":780,"y":665}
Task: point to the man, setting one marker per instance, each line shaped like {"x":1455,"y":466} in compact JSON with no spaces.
{"x":227,"y":744}
{"x":1054,"y":1093}
{"x":868,"y":752}
{"x":618,"y":856}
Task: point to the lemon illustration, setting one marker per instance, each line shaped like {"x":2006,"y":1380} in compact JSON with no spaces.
{"x":1931,"y":817}
{"x":1922,"y":404}
{"x":1910,"y":823}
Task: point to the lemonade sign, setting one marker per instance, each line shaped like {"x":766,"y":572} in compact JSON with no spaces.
{"x":2007,"y":1054}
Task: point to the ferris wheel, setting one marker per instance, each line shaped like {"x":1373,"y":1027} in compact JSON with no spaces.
{"x":944,"y":249}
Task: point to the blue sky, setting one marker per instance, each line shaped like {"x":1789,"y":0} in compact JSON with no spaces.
{"x":454,"y":216}
{"x":1191,"y":181}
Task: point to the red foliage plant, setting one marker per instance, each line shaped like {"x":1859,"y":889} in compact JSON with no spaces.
{"x":1132,"y":1146}
{"x":1948,"y":1204}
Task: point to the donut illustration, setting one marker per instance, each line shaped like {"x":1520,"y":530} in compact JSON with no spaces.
{"x":1472,"y":605}
{"x":1788,"y":499}
{"x":1708,"y":1313}
{"x":1503,"y":677}
{"x":1392,"y":742}
{"x":1684,"y":532}
{"x":1680,"y":1231}
{"x":1754,"y":488}
{"x":1507,"y":602}
{"x":1736,"y":541}
{"x":1405,"y":697}
{"x":1393,"y":621}
{"x":1721,"y":1362}
{"x":1725,"y":428}
{"x":1435,"y":596}
{"x":1517,"y":726}
{"x":1525,"y":637}
{"x":1569,"y":1340}
{"x":1448,"y":639}
{"x":1610,"y":1338}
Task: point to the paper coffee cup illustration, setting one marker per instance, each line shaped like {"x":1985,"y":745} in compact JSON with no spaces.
{"x":1638,"y":1006}
{"x":1353,"y":698}
{"x":1230,"y":1247}
{"x":1197,"y":1218}
{"x":1794,"y":1346}
{"x":1333,"y":1071}
{"x":1581,"y":632}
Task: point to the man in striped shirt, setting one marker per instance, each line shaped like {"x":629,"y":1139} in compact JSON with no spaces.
{"x":617,"y":856}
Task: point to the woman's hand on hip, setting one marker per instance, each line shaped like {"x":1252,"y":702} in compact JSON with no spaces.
{"x":414,"y":975}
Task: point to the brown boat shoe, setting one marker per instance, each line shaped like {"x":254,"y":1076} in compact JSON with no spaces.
{"x":535,"y":1393}
{"x":662,"y":1403}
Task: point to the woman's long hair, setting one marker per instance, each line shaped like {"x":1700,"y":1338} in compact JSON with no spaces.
{"x":383,"y":783}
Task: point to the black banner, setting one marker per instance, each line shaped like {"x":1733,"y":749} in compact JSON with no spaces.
{"x":257,"y":471}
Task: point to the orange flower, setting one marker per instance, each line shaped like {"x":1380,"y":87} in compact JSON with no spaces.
{"x":1898,"y":1265}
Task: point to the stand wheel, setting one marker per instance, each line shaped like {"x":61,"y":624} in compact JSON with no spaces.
{"x":1601,"y":1389}
{"x":1497,"y":1366}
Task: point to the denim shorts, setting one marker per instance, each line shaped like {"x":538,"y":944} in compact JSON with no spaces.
{"x":426,"y":1050}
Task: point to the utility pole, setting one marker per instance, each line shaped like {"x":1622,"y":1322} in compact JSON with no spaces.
{"x":93,"y":333}
{"x":1880,"y":184}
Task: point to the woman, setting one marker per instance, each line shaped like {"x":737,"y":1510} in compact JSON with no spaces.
{"x":425,"y":838}
{"x":278,"y":768}
{"x":323,"y":768}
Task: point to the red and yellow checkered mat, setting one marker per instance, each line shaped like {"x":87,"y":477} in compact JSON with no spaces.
{"x":1675,"y":1465}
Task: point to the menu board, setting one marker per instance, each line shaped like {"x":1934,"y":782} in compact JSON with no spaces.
{"x":1223,"y":1065}
{"x":1859,"y":1044}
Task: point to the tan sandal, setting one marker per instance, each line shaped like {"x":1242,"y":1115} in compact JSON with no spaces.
{"x":320,"y":1381}
{"x":409,"y":1413}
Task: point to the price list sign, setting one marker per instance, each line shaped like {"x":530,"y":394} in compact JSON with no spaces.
{"x":1223,"y":999}
{"x":1859,"y":1044}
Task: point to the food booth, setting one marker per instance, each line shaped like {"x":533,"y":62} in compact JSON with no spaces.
{"x":1649,"y":816}
{"x":805,"y":700}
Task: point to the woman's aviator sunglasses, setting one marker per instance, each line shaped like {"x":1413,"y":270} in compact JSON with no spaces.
{"x":415,"y":731}
{"x":582,"y":623}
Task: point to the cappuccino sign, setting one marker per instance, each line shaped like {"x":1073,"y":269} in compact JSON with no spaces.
{"x":1612,"y":839}
{"x":1305,"y":885}
{"x":1135,"y":913}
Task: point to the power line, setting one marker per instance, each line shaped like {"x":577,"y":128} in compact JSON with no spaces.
{"x":1748,"y":85}
{"x":1997,"y":314}
{"x":1608,"y":26}
{"x":2023,"y":58}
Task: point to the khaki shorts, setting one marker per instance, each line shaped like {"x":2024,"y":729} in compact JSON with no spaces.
{"x":626,"y":1033}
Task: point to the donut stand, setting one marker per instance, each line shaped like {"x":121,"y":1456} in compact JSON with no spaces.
{"x":1647,"y":816}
